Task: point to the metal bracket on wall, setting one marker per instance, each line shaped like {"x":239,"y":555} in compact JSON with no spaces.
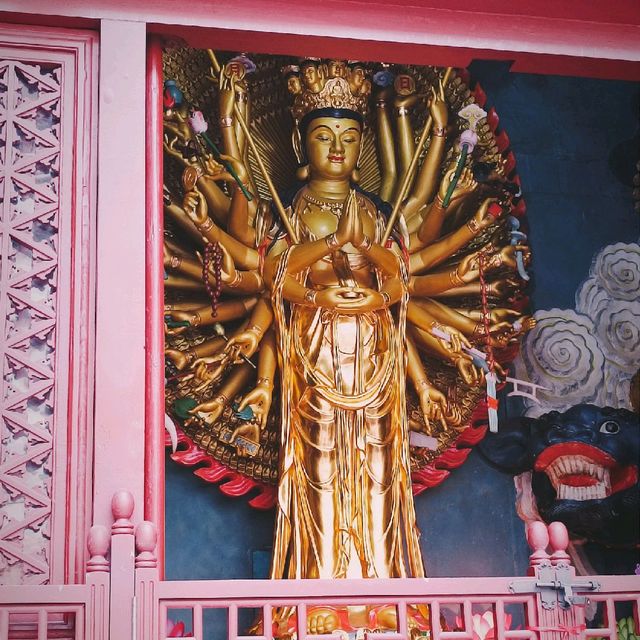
{"x":556,"y":586}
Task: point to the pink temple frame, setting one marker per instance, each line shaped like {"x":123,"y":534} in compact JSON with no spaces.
{"x":127,"y":255}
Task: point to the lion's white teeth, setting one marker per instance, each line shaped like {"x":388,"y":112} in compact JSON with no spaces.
{"x":563,"y":467}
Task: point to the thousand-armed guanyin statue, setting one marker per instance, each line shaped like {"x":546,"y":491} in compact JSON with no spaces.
{"x":338,"y":260}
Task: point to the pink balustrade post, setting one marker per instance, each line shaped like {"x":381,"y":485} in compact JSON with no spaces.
{"x":556,"y":621}
{"x":122,"y":567}
{"x":538,"y":539}
{"x":146,"y":580}
{"x":97,"y":613}
{"x":568,"y":620}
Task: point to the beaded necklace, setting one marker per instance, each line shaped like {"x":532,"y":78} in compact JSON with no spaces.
{"x":334,"y":206}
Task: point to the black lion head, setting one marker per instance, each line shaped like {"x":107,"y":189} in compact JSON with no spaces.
{"x":585,"y":468}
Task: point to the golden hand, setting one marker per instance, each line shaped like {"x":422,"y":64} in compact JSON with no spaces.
{"x":209,"y":369}
{"x":226,"y":95}
{"x":455,"y":344}
{"x":466,"y":185}
{"x":468,"y":269}
{"x":178,"y":358}
{"x":469,"y":372}
{"x":349,"y":222}
{"x":503,"y":288}
{"x":350,"y":300}
{"x":228,"y":271}
{"x":244,"y":343}
{"x":507,"y":256}
{"x":213,"y":409}
{"x":259,"y":399}
{"x":438,"y":106}
{"x":482,"y":217}
{"x":433,"y":404}
{"x":249,"y":431}
{"x":169,"y":146}
{"x":407,"y":101}
{"x":195,"y":207}
{"x":216,"y":171}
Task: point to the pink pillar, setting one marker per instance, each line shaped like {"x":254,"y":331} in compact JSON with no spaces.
{"x":97,"y":615}
{"x":154,"y":441}
{"x":120,"y":323}
{"x":122,"y":570}
{"x":146,"y":581}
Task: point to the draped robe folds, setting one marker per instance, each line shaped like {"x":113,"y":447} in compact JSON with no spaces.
{"x":345,"y":507}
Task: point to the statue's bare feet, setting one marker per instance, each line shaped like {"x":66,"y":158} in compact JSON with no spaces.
{"x":322,"y":620}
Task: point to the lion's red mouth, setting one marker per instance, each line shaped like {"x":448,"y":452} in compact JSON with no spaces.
{"x":580,"y":471}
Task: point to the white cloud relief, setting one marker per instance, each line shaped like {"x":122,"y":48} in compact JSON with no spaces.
{"x":590,"y":354}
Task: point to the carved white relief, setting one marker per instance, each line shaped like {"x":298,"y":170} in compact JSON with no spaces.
{"x":590,"y":354}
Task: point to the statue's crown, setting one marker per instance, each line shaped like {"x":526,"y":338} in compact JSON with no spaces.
{"x":330,"y":85}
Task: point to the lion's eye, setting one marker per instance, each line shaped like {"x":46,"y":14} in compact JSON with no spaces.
{"x":609,"y":427}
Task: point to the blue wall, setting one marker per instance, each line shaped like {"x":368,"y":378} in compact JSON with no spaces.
{"x":567,"y":134}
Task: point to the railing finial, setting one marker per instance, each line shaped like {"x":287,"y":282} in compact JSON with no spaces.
{"x":146,"y":540}
{"x":122,"y":505}
{"x":559,"y":539}
{"x":538,"y":539}
{"x":98,"y":543}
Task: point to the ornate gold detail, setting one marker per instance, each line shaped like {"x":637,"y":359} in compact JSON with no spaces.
{"x":320,"y":91}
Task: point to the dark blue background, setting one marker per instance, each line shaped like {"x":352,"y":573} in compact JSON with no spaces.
{"x":573,"y":141}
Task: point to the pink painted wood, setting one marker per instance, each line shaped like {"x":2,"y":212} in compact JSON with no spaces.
{"x":121,"y":599}
{"x":74,"y":612}
{"x":120,"y":325}
{"x":537,"y":37}
{"x":46,"y":295}
{"x":154,"y":418}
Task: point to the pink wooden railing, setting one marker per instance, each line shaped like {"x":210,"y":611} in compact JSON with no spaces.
{"x":123,"y":597}
{"x":68,"y":612}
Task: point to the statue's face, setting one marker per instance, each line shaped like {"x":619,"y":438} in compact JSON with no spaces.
{"x":357,"y":77}
{"x":311,"y":75}
{"x":333,"y":147}
{"x":337,"y":69}
{"x":293,"y":84}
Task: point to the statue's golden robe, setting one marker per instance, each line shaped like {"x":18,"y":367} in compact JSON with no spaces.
{"x":345,"y":507}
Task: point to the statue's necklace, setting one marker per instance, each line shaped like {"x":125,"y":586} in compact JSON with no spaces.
{"x":334,"y":206}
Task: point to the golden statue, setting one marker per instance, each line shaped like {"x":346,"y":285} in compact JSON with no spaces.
{"x":334,"y":299}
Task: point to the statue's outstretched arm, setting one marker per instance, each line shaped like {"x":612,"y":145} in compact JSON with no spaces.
{"x":432,"y":402}
{"x":228,"y":390}
{"x":425,"y":184}
{"x":227,"y":310}
{"x":431,"y":225}
{"x":439,"y":251}
{"x":182,"y":283}
{"x":443,"y":314}
{"x":174,"y":260}
{"x":182,"y":359}
{"x":432,"y":284}
{"x":386,"y":149}
{"x":178,"y":215}
{"x":234,"y":93}
{"x":246,"y":341}
{"x":405,"y":143}
{"x":261,"y":396}
{"x":498,"y":289}
{"x":196,"y":209}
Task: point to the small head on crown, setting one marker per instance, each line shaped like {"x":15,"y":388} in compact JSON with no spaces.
{"x":334,"y":85}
